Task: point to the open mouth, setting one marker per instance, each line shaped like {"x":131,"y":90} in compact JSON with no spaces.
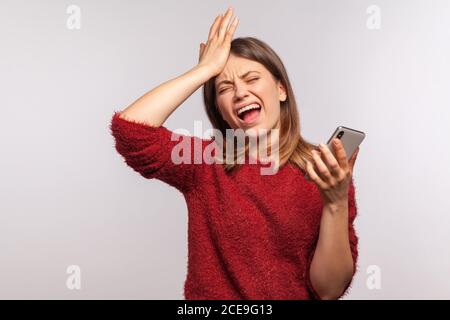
{"x":250,"y":113}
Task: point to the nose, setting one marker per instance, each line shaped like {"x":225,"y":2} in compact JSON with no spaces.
{"x":240,"y":92}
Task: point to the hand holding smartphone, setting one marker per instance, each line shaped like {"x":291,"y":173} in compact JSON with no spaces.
{"x":350,"y":139}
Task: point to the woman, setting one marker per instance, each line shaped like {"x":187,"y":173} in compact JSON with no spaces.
{"x":250,"y":236}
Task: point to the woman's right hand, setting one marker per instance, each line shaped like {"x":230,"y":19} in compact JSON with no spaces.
{"x":214,"y":54}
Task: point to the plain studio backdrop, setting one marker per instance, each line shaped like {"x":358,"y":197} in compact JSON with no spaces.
{"x":68,"y":199}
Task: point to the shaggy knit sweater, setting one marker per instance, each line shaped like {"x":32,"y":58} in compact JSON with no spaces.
{"x":250,"y":236}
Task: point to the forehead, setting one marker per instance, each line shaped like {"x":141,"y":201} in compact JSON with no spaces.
{"x":237,"y":66}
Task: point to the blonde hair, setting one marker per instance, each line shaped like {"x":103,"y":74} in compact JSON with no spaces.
{"x":293,"y":147}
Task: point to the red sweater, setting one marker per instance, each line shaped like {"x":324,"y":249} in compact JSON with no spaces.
{"x":250,"y":236}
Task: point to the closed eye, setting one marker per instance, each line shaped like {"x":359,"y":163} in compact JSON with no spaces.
{"x":223,"y":90}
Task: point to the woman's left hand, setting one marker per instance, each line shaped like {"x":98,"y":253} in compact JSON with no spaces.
{"x":332,"y":174}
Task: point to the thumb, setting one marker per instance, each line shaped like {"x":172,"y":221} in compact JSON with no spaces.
{"x":202,"y":47}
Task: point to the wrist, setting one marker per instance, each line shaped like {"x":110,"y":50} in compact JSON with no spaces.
{"x":207,"y":71}
{"x":337,"y":205}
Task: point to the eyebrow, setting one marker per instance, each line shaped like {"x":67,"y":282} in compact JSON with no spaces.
{"x":243,"y":76}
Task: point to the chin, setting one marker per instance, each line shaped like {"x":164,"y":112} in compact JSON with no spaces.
{"x":257,"y":129}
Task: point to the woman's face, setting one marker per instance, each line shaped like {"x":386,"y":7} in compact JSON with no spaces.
{"x":257,"y":86}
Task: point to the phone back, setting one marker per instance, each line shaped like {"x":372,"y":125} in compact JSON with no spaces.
{"x":350,"y":138}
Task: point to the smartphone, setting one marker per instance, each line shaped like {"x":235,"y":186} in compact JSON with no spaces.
{"x":350,"y":139}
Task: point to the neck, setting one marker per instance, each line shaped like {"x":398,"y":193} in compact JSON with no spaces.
{"x":267,"y":147}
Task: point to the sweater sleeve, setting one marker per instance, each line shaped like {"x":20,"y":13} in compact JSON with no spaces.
{"x":148,"y":150}
{"x":353,"y":239}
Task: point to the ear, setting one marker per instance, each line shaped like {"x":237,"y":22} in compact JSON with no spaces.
{"x":281,"y":91}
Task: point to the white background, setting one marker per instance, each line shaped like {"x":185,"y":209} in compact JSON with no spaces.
{"x":67,"y":197}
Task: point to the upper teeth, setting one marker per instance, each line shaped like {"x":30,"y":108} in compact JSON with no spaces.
{"x":251,"y":106}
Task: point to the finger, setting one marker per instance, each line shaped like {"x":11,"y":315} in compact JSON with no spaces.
{"x":313,"y":175}
{"x":215,"y":26}
{"x":224,"y":23}
{"x":330,"y":160}
{"x":322,"y":169}
{"x":341,"y":155}
{"x":232,"y":29}
{"x":353,"y":159}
